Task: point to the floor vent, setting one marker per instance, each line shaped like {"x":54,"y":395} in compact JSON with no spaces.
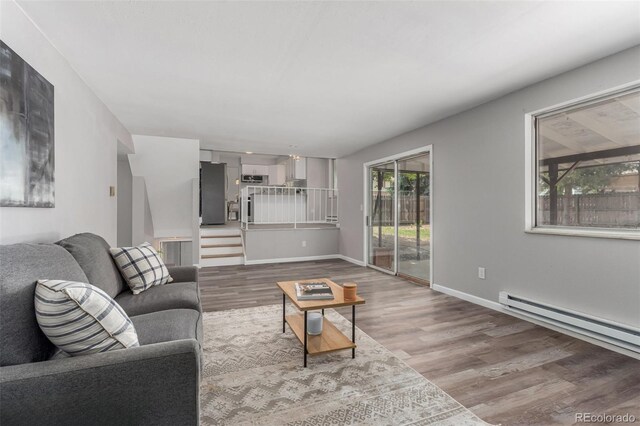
{"x":611,"y":332}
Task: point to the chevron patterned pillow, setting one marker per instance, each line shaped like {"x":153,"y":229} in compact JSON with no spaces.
{"x":141,"y":267}
{"x":81,"y":319}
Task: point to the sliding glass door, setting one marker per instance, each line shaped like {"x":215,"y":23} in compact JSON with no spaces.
{"x":414,"y":227}
{"x":381,"y":223}
{"x":399,"y":216}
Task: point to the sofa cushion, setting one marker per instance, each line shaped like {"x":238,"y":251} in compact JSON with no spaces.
{"x":141,"y":267}
{"x":92,"y":253}
{"x":81,"y":319}
{"x":161,"y":298}
{"x":21,"y":266}
{"x":165,"y":326}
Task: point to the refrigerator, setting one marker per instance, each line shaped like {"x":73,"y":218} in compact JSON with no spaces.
{"x":213,"y":199}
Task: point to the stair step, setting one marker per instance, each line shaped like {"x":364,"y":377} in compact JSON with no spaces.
{"x":222,"y":250}
{"x":221,"y":261}
{"x":220,"y":245}
{"x":216,"y":256}
{"x":221,"y":241}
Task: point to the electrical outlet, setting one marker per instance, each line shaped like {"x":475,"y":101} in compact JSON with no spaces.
{"x":304,"y":243}
{"x":481,"y":273}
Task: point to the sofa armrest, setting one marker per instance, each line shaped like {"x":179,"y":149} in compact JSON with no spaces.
{"x":183,"y":274}
{"x":153,"y":384}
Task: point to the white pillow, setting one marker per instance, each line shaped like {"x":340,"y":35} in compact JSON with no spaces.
{"x":141,"y":267}
{"x":81,"y":319}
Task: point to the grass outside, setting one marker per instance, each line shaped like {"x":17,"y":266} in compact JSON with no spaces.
{"x":405,"y":232}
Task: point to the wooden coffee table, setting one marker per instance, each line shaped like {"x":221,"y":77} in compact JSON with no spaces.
{"x":331,"y":339}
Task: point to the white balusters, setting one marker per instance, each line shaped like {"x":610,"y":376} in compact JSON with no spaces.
{"x":274,"y":205}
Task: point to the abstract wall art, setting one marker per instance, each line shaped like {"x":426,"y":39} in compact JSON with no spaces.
{"x":26,"y":134}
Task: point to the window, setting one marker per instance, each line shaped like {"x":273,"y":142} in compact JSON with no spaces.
{"x":588,"y":165}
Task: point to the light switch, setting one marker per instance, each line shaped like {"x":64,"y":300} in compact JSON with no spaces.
{"x":481,"y":273}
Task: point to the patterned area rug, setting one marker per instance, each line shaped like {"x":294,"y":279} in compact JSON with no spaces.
{"x":253,"y":374}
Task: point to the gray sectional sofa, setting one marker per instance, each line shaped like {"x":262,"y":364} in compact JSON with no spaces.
{"x":154,"y":384}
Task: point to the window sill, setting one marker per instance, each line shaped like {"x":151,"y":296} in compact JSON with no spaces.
{"x":586,"y":232}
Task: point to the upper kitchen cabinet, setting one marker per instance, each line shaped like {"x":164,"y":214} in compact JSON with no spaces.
{"x":296,"y":168}
{"x":255,"y":169}
{"x":300,"y":168}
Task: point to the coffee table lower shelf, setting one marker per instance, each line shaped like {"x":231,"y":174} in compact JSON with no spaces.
{"x":330,"y":340}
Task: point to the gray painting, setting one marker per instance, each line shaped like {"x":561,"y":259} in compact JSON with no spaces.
{"x":26,"y":134}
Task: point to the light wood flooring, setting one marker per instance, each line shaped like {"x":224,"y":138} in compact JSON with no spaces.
{"x":505,"y":370}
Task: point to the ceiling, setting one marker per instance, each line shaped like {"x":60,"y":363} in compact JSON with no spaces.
{"x":319,"y":78}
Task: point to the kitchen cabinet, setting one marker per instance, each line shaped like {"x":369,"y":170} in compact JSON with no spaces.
{"x":255,"y":169}
{"x":296,"y":169}
{"x":300,"y":168}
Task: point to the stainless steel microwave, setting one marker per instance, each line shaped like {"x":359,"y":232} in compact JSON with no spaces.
{"x":253,"y":178}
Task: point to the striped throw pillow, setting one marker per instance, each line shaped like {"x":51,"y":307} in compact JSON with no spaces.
{"x":141,"y":267}
{"x":81,"y":319}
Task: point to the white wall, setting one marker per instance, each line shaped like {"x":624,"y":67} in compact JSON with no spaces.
{"x":141,"y":221}
{"x":168,"y":166}
{"x":233,"y":189}
{"x":264,"y":244}
{"x":479,"y":205}
{"x":317,"y":172}
{"x":86,"y":135}
{"x":234,"y":171}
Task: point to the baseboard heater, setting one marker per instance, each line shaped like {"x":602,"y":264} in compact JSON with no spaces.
{"x":621,"y":335}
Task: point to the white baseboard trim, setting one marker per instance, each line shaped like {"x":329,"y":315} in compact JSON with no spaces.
{"x":304,"y":259}
{"x":350,"y":260}
{"x":290,"y":259}
{"x":500,"y":308}
{"x":468,"y":297}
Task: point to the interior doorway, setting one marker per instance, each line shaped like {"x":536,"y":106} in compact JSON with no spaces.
{"x":124,"y":196}
{"x":398,"y":215}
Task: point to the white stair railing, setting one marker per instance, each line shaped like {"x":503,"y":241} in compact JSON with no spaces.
{"x":276,"y":205}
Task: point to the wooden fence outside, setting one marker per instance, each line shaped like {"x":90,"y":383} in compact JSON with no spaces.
{"x":408,"y":211}
{"x":616,"y":210}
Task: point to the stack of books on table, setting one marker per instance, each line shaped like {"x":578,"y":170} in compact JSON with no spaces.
{"x":313,"y":291}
